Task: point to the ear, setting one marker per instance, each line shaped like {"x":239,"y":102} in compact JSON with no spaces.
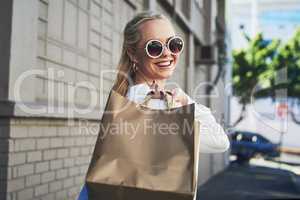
{"x":131,"y":55}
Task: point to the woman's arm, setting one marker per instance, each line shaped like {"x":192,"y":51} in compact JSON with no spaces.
{"x":212,"y":136}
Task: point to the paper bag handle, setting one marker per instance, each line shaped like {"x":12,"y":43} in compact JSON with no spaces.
{"x":163,"y":95}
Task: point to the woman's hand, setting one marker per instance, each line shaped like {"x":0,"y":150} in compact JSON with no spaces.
{"x":179,"y":97}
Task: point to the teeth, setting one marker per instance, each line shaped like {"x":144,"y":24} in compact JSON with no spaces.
{"x":167,"y":63}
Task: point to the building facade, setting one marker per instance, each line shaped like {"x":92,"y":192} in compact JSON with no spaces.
{"x":58,"y":60}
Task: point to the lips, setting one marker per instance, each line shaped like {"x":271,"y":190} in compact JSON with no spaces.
{"x":166,"y":63}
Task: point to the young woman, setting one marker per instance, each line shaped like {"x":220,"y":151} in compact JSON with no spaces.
{"x":150,"y":52}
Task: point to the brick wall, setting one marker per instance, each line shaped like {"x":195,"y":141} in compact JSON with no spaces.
{"x":4,"y":132}
{"x":48,"y":158}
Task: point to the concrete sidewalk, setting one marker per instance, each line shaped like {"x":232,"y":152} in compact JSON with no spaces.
{"x":245,"y":182}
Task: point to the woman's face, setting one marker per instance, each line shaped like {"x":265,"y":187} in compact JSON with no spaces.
{"x":163,"y":66}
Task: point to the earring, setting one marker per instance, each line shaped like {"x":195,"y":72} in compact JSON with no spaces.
{"x":134,"y":67}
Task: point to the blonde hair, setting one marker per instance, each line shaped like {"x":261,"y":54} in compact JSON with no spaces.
{"x":131,"y":37}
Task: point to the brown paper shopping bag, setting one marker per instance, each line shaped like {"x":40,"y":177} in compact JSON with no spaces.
{"x":143,"y":153}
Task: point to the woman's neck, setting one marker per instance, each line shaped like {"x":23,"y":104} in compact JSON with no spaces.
{"x":140,"y":78}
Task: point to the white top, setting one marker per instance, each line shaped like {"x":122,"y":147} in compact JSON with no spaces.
{"x":212,"y":136}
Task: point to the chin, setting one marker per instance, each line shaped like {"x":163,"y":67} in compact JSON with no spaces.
{"x":163,"y":72}
{"x":165,"y":75}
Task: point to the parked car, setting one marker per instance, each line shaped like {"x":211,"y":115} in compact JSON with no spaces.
{"x":245,"y":145}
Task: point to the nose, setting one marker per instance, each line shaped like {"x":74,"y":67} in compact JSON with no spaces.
{"x":166,"y":51}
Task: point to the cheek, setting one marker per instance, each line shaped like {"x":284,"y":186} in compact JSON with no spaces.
{"x":176,"y":58}
{"x":144,"y":62}
{"x":147,"y":62}
{"x":141,"y":59}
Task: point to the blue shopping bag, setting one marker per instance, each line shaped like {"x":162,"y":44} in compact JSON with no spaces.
{"x":83,"y":195}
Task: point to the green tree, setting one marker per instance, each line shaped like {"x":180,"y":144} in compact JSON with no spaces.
{"x":250,"y":66}
{"x":257,"y":71}
{"x":288,"y":59}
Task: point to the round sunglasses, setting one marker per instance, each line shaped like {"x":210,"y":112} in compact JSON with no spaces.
{"x":154,"y":48}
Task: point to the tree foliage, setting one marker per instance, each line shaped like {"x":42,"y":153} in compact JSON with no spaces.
{"x":264,"y":67}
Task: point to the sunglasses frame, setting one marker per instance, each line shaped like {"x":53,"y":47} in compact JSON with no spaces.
{"x":163,"y":46}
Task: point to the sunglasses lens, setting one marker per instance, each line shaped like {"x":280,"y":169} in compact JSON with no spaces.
{"x":176,"y":45}
{"x":154,"y":48}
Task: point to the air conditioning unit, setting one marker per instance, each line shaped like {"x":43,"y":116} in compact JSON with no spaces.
{"x":204,"y":54}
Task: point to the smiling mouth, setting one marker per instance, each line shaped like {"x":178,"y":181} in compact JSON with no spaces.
{"x":165,"y":64}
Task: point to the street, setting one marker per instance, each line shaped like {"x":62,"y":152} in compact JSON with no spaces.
{"x":251,"y":182}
